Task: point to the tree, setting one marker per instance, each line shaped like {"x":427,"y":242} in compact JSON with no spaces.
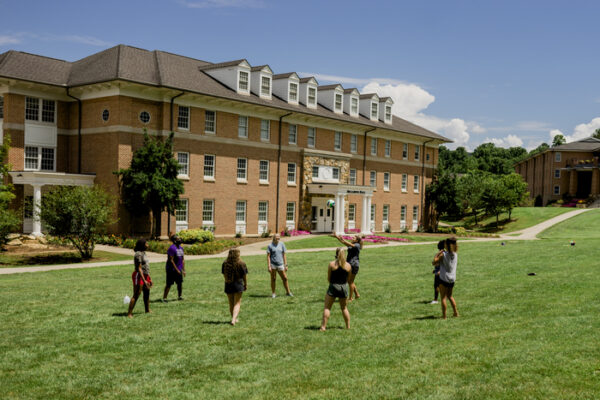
{"x":150,"y":184}
{"x":596,"y":133}
{"x":470,"y":190}
{"x":515,"y":191}
{"x":8,"y":218}
{"x":442,"y":194}
{"x":558,"y":140}
{"x":493,"y":197}
{"x":77,"y":213}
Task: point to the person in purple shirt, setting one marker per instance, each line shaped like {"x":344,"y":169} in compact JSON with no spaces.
{"x":175,"y":267}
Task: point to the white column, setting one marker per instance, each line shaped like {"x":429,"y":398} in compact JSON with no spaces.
{"x":369,"y":214}
{"x":336,"y":224}
{"x":365,"y":225}
{"x":339,"y":214}
{"x":37,"y":203}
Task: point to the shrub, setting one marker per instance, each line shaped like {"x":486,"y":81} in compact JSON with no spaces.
{"x":190,"y":236}
{"x":211,"y":247}
{"x":8,"y":223}
{"x":238,"y":235}
{"x":460,"y":231}
{"x":156,"y":246}
{"x":129,"y":243}
{"x":388,"y":229}
{"x":266,"y":234}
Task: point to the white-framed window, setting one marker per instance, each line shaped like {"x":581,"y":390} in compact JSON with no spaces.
{"x":242,"y":169}
{"x":183,"y":159}
{"x":209,"y":166}
{"x":312,"y":137}
{"x":39,"y":158}
{"x":373,"y":179}
{"x":291,"y":175}
{"x":352,"y":177}
{"x":373,"y":146}
{"x":183,"y":118}
{"x":240,"y":211}
{"x":265,"y":86}
{"x":265,"y":130}
{"x":293,"y":134}
{"x":337,"y":141}
{"x":388,"y":113}
{"x":556,"y":189}
{"x":416,"y":184}
{"x":243,"y":126}
{"x":403,"y":217}
{"x":290,"y":212}
{"x":404,"y":182}
{"x":404,"y":151}
{"x":1,"y":107}
{"x":373,"y":213}
{"x":181,"y":211}
{"x":315,"y":171}
{"x":210,"y":121}
{"x":243,"y":81}
{"x":417,"y":152}
{"x":312,"y":96}
{"x":208,"y":212}
{"x":557,"y":173}
{"x":46,"y":112}
{"x":352,"y":212}
{"x":353,"y":143}
{"x":386,"y":181}
{"x":354,"y":106}
{"x":338,"y":102}
{"x":388,"y":148}
{"x":386,"y":214}
{"x":145,"y":117}
{"x":415,"y":217}
{"x":335,"y":173}
{"x":374,"y":110}
{"x":557,"y":156}
{"x":293,"y":91}
{"x":263,"y":171}
{"x":263,"y":211}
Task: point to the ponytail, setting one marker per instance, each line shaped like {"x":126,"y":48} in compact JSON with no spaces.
{"x":341,"y":257}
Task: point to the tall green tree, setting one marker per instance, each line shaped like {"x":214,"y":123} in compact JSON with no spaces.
{"x":558,"y":140}
{"x":150,"y":184}
{"x":9,"y":220}
{"x":515,"y":191}
{"x":494,"y":196}
{"x":470,"y":191}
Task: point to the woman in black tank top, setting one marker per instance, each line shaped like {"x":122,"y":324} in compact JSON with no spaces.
{"x":337,"y":275}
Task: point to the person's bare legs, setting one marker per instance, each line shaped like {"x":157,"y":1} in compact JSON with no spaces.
{"x":166,"y":292}
{"x":137,"y":290}
{"x":230,"y":299}
{"x":273,"y":280}
{"x":237,"y":304}
{"x":353,"y":289}
{"x":146,"y":298}
{"x":452,"y":301}
{"x":443,"y":295}
{"x":327,"y":311}
{"x":284,"y":279}
{"x":345,"y":312}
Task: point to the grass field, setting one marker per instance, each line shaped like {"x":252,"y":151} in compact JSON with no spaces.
{"x":521,"y":218}
{"x":322,"y":241}
{"x":25,"y":260}
{"x":65,"y":336}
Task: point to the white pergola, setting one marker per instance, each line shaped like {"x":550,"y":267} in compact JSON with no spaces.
{"x":38,"y":179}
{"x":339,"y":191}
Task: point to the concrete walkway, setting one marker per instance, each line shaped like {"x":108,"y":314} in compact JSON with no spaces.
{"x":256,"y":248}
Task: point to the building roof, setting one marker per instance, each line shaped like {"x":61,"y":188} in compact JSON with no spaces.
{"x":168,"y":70}
{"x":587,"y":144}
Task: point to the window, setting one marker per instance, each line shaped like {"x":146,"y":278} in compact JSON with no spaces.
{"x":243,"y":127}
{"x":374,"y":110}
{"x":353,"y":143}
{"x":556,"y":189}
{"x":39,"y":158}
{"x":352,"y":178}
{"x":209,"y":166}
{"x":315,"y":172}
{"x":312,"y":96}
{"x":373,"y":146}
{"x":48,"y":110}
{"x":373,"y":179}
{"x":386,"y":213}
{"x":338,"y":102}
{"x":1,"y":107}
{"x":352,"y":212}
{"x":181,"y":211}
{"x":417,"y":152}
{"x":291,"y":176}
{"x":265,"y":86}
{"x":183,"y":119}
{"x":557,"y":173}
{"x":557,"y":156}
{"x":208,"y":212}
{"x":263,"y":171}
{"x":105,"y":115}
{"x":388,"y":113}
{"x":240,"y":211}
{"x":290,"y":211}
{"x":242,"y":169}
{"x":31,"y":157}
{"x":405,"y":151}
{"x":402,"y":214}
{"x":373,"y":209}
{"x":243,"y":82}
{"x":145,"y":117}
{"x":312,"y":137}
{"x":386,"y":181}
{"x":416,"y":184}
{"x":293,"y":134}
{"x":388,"y":148}
{"x":32,"y":110}
{"x":404,"y":182}
{"x":293,"y":91}
{"x":263,"y":211}
{"x":184,"y":164}
{"x":354,"y":106}
{"x":210,"y":122}
{"x":337,"y":141}
{"x":265,"y":130}
{"x":415,"y":215}
{"x":427,"y":157}
{"x":335,"y":173}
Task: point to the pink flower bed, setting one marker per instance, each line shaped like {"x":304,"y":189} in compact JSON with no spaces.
{"x":377,"y":239}
{"x":357,"y":230}
{"x":295,"y":232}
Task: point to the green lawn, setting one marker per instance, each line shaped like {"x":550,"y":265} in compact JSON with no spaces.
{"x":11,"y":260}
{"x":323,"y":241}
{"x":64,"y":334}
{"x":521,"y":218}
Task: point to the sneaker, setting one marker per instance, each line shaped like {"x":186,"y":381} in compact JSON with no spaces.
{"x":433,"y":302}
{"x":180,"y":298}
{"x":290,"y":294}
{"x":273,"y":295}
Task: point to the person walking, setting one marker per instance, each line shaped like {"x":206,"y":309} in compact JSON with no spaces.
{"x":338,"y":272}
{"x":234,"y":271}
{"x":354,"y":248}
{"x":142,"y":283}
{"x":448,"y":261}
{"x":277,"y":264}
{"x":436,"y":273}
{"x":175,"y":268}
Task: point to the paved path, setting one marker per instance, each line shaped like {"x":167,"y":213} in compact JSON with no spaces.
{"x":257,"y":248}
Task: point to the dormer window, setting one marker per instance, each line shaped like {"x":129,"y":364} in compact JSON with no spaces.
{"x":354,"y":106}
{"x":243,"y":81}
{"x":312,"y":96}
{"x":368,"y":106}
{"x":385,"y":105}
{"x":261,"y":81}
{"x":374,"y":110}
{"x":293,"y":92}
{"x":388,"y":113}
{"x":233,"y":74}
{"x":286,"y":87}
{"x":265,"y":86}
{"x":338,"y":102}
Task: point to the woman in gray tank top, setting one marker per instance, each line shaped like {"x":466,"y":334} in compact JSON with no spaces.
{"x":448,"y":261}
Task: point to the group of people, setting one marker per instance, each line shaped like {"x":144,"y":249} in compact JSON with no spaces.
{"x":341,"y":275}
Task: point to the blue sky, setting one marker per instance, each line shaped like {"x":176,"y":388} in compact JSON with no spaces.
{"x":509,"y":72}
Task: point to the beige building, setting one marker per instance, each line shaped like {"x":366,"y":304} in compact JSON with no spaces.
{"x":258,"y":151}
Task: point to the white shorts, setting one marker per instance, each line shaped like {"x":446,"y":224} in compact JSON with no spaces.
{"x":278,"y":267}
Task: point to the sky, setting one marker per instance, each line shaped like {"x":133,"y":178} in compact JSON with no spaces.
{"x":514,"y":73}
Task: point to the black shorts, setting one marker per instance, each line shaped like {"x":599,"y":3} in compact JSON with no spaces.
{"x":449,"y":285}
{"x":436,"y":281}
{"x":339,"y":290}
{"x":174,"y":277}
{"x":234,"y":287}
{"x":355,"y":269}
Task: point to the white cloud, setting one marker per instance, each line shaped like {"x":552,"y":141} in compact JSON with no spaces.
{"x":506,"y":142}
{"x":6,"y":40}
{"x":223,"y":4}
{"x":89,"y":40}
{"x":581,"y":131}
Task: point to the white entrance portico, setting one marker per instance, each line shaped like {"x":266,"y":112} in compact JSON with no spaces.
{"x":339,"y":192}
{"x":39,"y":179}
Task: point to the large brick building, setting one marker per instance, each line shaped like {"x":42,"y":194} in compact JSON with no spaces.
{"x":259,"y":151}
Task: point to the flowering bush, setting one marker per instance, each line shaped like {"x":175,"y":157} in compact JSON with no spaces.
{"x":294,"y":232}
{"x":355,"y":230}
{"x":111,"y":240}
{"x":196,"y":235}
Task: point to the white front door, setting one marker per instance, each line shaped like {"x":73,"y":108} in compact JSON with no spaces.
{"x":324,"y":215}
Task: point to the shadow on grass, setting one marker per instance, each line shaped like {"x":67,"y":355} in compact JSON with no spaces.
{"x":318,"y":327}
{"x":260,"y":295}
{"x":215,"y":322}
{"x":120,"y":314}
{"x":42,"y":259}
{"x":425,"y":318}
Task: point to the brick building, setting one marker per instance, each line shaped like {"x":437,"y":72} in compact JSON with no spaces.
{"x":258,"y":151}
{"x":570,"y":169}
